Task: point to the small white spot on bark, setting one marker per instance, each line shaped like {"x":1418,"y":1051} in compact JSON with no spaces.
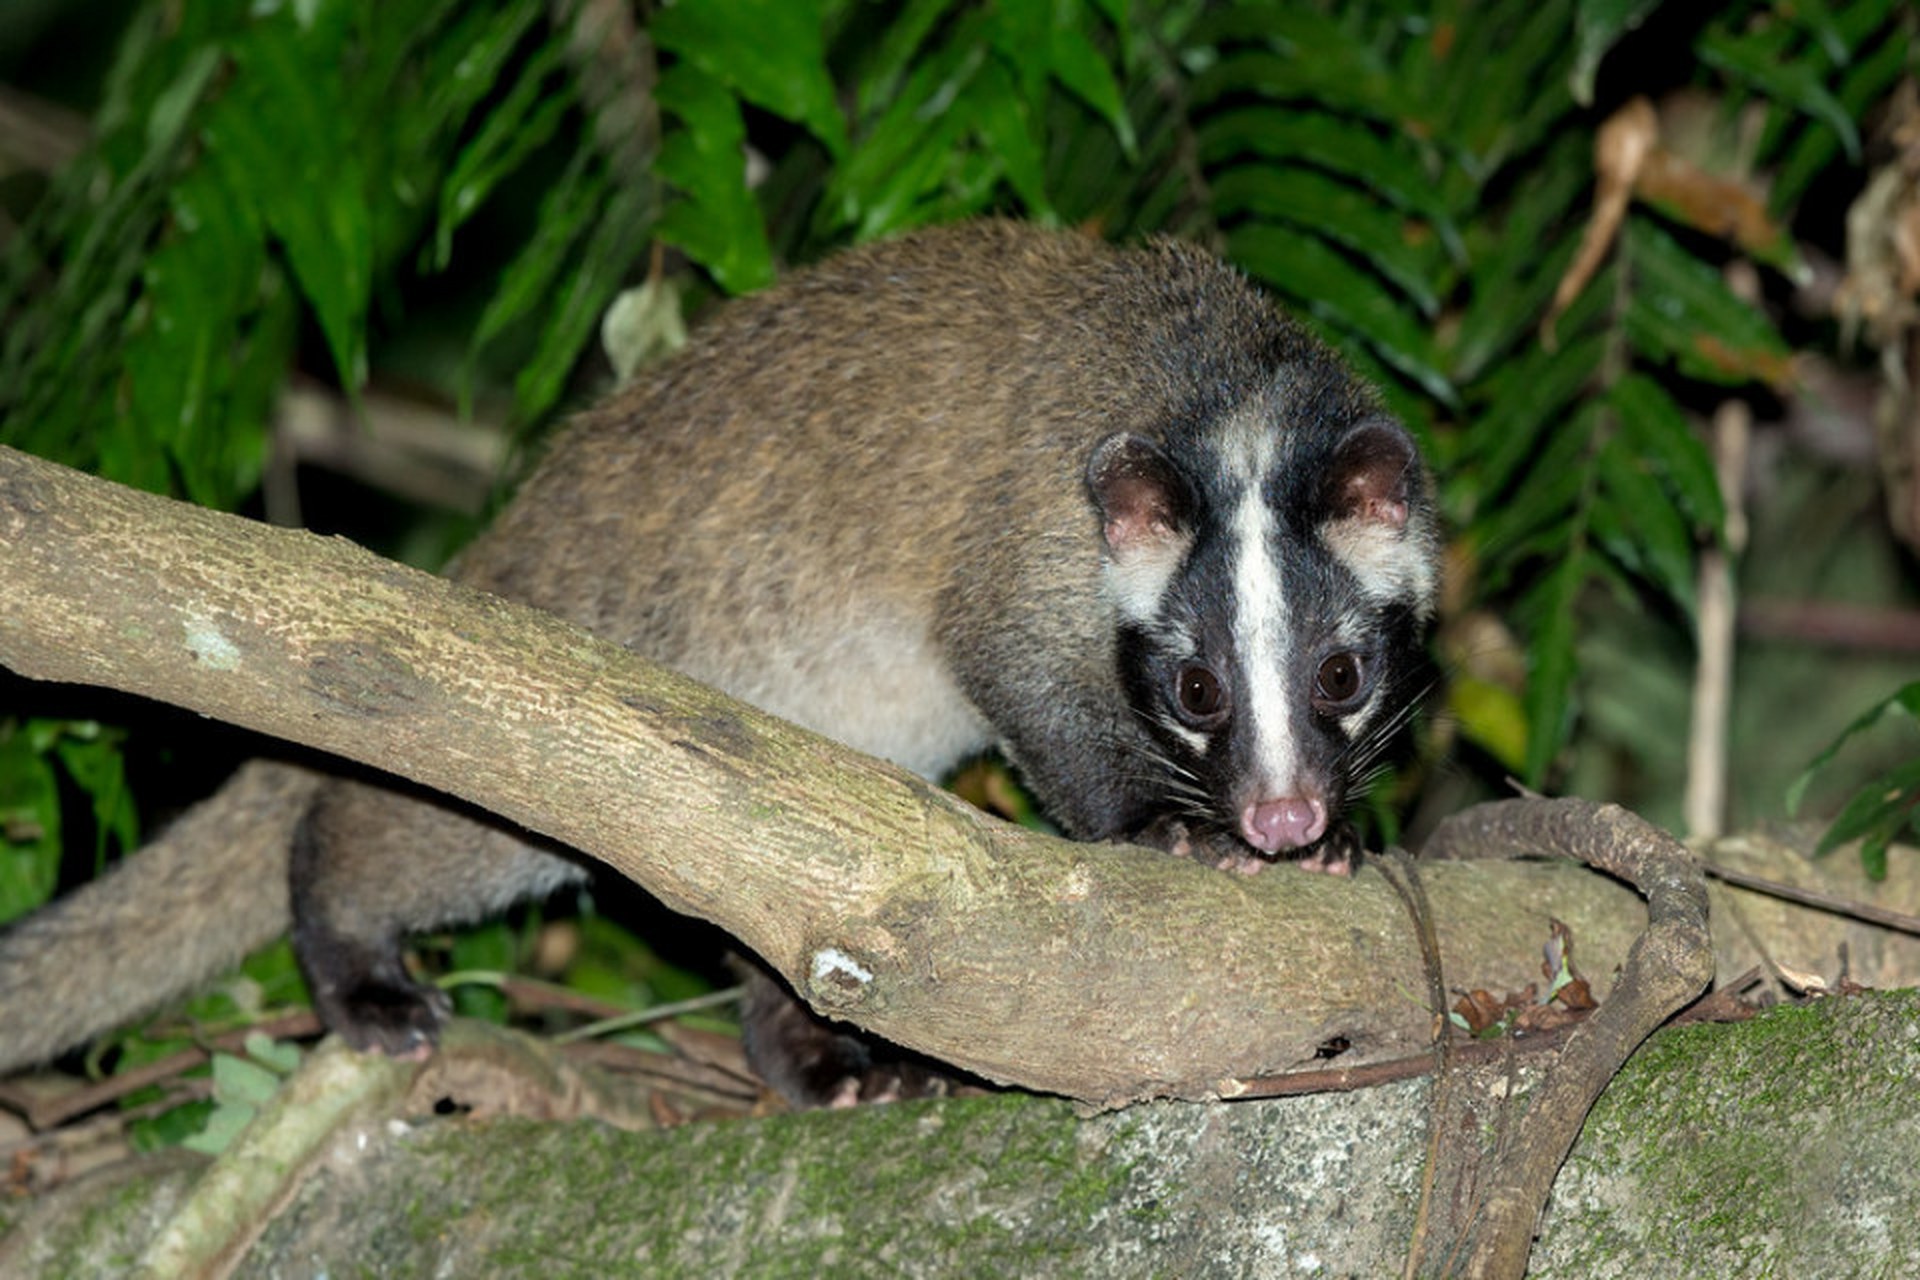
{"x":1078,"y":885}
{"x":209,"y":646}
{"x":831,"y":962}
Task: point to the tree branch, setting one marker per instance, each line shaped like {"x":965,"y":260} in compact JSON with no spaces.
{"x":1103,"y":972}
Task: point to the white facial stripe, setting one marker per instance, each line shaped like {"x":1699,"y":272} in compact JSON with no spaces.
{"x":1197,"y":741}
{"x":1355,"y":722}
{"x":1263,"y":640}
{"x":1247,"y":446}
{"x":1387,"y":563}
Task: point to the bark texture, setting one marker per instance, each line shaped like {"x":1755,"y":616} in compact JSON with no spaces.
{"x":1104,"y":973}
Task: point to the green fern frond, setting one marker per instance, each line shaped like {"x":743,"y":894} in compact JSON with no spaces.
{"x":248,"y":170}
{"x":952,"y":102}
{"x":1318,"y":191}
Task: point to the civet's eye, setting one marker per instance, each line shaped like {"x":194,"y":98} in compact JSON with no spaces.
{"x":1339,"y":678}
{"x":1198,"y":691}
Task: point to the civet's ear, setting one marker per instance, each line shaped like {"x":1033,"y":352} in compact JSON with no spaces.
{"x":1145,"y":506}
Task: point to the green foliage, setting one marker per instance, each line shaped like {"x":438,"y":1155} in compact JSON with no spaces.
{"x":494,"y":947}
{"x":1590,"y":471}
{"x":1887,"y":807}
{"x":268,"y":984}
{"x":241,"y":1086}
{"x":1324,"y":190}
{"x":260,"y":165}
{"x":34,"y":755}
{"x":612,"y":965}
{"x":951,"y":102}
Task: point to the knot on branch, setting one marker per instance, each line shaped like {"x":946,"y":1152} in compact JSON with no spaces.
{"x":364,"y":677}
{"x":23,"y":495}
{"x":838,"y":981}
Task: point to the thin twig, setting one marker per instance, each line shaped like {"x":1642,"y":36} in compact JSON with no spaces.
{"x":1838,"y":904}
{"x":46,"y":1113}
{"x":1705,"y":802}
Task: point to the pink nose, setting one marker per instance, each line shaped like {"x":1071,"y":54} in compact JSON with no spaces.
{"x":1274,"y":825}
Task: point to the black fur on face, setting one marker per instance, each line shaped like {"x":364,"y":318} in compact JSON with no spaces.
{"x":1349,"y":664}
{"x":1163,"y":667}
